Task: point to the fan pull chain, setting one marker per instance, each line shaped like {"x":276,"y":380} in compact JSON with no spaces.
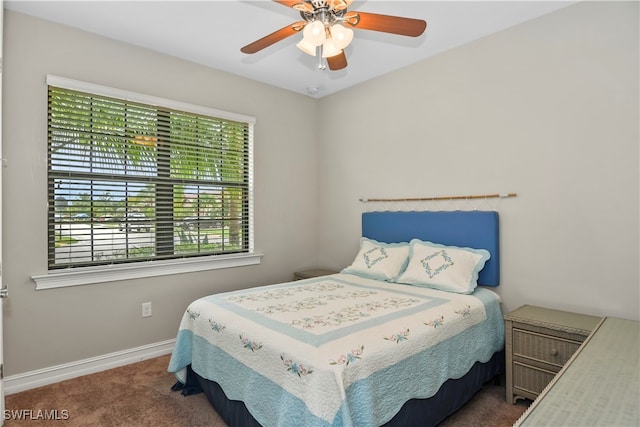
{"x":321,"y":65}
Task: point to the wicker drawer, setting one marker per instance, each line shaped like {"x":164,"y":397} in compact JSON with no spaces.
{"x":529,"y":380}
{"x":538,"y":343}
{"x":544,"y":348}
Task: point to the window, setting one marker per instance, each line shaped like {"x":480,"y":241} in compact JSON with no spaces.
{"x":135,"y":178}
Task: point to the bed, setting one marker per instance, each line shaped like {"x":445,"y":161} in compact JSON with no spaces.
{"x":372,"y":345}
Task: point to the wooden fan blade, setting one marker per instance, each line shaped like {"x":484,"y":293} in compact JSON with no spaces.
{"x":296,"y":4}
{"x":386,"y":23}
{"x":274,"y":37}
{"x":337,"y":62}
{"x":339,"y":4}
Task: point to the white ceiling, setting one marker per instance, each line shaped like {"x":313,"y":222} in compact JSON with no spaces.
{"x":211,"y":33}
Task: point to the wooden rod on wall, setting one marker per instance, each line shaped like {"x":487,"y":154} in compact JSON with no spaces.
{"x":427,"y":199}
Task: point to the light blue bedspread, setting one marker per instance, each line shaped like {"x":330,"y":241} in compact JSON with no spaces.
{"x":338,"y":350}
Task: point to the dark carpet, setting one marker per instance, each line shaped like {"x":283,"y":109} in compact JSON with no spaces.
{"x":139,"y":395}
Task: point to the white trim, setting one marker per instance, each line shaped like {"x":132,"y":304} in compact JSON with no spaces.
{"x":141,"y":269}
{"x":96,"y":89}
{"x":138,"y":270}
{"x":251,"y":165}
{"x":28,"y":380}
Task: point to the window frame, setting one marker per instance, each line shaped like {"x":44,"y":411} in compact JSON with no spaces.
{"x":81,"y":275}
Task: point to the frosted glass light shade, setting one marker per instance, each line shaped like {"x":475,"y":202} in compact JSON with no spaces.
{"x":329,"y":49}
{"x":314,"y":33}
{"x":341,"y":36}
{"x":306,"y":47}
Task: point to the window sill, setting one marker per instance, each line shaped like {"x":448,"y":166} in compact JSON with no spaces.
{"x":112,"y":273}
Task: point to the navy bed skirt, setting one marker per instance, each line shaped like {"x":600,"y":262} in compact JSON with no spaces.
{"x":416,"y":412}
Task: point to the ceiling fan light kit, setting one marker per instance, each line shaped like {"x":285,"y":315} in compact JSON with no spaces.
{"x":307,"y":47}
{"x":341,"y":36}
{"x":330,"y":48}
{"x":314,"y":33}
{"x":323,"y":31}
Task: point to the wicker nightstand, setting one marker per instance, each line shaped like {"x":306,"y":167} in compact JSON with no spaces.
{"x":316,"y":272}
{"x":539,"y":341}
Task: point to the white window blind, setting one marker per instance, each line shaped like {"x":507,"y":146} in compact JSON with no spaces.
{"x":133,"y":181}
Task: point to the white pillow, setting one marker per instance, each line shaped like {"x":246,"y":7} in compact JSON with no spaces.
{"x":378,"y":260}
{"x":447,"y":268}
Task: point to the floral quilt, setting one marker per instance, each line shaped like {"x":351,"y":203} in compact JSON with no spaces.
{"x":339,"y":350}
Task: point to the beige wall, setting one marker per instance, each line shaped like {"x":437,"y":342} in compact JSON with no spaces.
{"x":51,"y":327}
{"x":547,"y":109}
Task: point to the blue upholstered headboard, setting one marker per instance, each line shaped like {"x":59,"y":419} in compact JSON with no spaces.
{"x":473,"y":229}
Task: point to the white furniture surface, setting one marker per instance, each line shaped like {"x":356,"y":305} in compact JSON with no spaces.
{"x":599,"y":386}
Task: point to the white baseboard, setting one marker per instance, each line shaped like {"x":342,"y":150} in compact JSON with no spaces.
{"x":28,"y":380}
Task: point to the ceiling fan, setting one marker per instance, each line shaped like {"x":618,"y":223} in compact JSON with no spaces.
{"x":327,"y":29}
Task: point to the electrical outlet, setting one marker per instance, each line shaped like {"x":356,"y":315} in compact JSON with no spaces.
{"x":146,"y":309}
